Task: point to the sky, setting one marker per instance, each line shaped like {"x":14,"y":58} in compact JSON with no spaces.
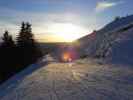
{"x":60,"y":20}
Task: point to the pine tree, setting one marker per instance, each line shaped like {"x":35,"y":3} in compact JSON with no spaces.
{"x":29,"y":51}
{"x":14,"y":57}
{"x":7,"y":40}
{"x":117,"y":18}
{"x":7,"y":64}
{"x":25,"y":37}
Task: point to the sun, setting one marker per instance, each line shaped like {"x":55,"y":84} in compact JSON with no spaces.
{"x":66,"y":32}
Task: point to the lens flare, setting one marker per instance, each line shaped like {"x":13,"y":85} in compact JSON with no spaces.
{"x":66,"y":56}
{"x":69,"y":55}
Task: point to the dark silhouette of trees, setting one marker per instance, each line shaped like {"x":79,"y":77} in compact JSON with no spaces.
{"x":117,"y":18}
{"x":7,"y":61}
{"x":16,"y":56}
{"x":25,"y":37}
{"x":28,"y":49}
{"x":7,"y":40}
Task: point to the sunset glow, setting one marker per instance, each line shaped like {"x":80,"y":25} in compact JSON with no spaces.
{"x":60,"y":20}
{"x":64,"y":32}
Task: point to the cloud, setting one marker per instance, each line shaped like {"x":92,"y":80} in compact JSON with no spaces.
{"x":40,"y":20}
{"x":101,"y":6}
{"x":10,"y":19}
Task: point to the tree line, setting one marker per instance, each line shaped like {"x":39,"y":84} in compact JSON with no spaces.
{"x":16,"y":54}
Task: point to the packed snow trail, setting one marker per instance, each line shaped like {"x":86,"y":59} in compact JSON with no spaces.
{"x":80,"y":80}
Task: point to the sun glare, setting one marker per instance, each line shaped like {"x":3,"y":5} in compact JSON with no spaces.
{"x":66,"y":32}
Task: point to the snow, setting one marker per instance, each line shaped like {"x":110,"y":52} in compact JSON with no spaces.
{"x":81,"y":80}
{"x":84,"y":79}
{"x":114,"y":41}
{"x":117,"y":24}
{"x":121,"y":50}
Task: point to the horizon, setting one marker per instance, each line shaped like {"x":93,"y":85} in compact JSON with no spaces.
{"x":61,"y":20}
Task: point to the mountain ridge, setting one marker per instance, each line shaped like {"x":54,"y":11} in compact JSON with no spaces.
{"x":104,"y":41}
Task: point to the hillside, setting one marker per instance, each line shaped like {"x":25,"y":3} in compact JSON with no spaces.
{"x":113,"y":37}
{"x":82,"y":79}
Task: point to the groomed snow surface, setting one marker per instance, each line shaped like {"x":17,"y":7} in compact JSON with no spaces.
{"x":81,"y":80}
